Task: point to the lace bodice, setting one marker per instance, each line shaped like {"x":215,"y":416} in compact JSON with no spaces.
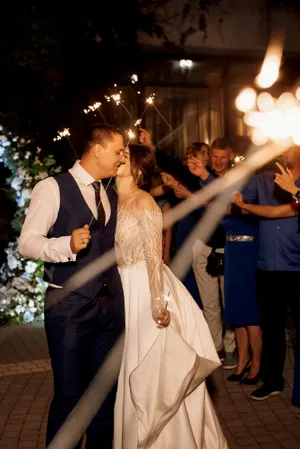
{"x":139,"y":238}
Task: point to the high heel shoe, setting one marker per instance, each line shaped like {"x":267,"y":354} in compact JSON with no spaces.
{"x":251,"y":380}
{"x":239,"y":377}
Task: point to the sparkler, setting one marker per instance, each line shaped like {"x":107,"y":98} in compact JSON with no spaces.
{"x":134,"y":78}
{"x":95,"y":108}
{"x":272,"y":62}
{"x":92,"y":107}
{"x":246,"y":100}
{"x":150,"y":101}
{"x":61,"y":134}
{"x":66,"y":133}
{"x":238,"y":159}
{"x":131,"y":134}
{"x":117,"y":98}
{"x":138,"y":122}
{"x":271,"y":119}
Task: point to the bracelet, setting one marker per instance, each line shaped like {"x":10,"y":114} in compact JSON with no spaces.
{"x":296,"y":197}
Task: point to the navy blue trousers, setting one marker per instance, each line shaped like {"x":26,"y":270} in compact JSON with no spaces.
{"x":80,"y":333}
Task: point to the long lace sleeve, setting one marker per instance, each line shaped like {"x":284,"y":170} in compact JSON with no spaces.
{"x":150,"y":224}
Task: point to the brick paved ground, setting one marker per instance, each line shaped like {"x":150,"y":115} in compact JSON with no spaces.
{"x":26,"y":389}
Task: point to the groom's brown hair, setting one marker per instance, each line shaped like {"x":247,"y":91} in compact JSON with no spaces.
{"x":100,"y":134}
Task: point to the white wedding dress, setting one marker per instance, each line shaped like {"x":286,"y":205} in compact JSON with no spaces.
{"x":162,"y":401}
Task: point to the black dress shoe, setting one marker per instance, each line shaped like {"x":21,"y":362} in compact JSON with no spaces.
{"x":265,"y":392}
{"x":251,"y":380}
{"x":239,"y":377}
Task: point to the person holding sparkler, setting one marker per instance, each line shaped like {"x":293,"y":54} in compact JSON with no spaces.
{"x":71,"y":221}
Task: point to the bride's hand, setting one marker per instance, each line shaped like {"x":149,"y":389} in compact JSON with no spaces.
{"x":162,"y":317}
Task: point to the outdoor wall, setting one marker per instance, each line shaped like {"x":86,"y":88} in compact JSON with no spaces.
{"x":236,"y":25}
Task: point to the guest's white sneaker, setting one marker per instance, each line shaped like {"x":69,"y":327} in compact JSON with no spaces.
{"x":230,"y":361}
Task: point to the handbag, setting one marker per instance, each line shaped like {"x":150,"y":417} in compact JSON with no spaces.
{"x":215,"y":263}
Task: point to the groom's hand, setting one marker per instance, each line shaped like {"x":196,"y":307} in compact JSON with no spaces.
{"x":80,"y":239}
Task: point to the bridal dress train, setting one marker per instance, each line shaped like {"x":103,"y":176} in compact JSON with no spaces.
{"x":162,"y":401}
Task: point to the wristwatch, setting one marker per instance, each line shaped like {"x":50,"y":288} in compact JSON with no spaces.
{"x":296,"y":197}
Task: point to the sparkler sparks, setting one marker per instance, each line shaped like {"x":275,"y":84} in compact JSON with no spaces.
{"x":134,"y":78}
{"x":246,"y":100}
{"x":92,"y":108}
{"x":60,"y":134}
{"x":150,"y":99}
{"x":238,"y":159}
{"x":130,"y":134}
{"x":272,"y":62}
{"x":275,"y":119}
{"x":117,"y":98}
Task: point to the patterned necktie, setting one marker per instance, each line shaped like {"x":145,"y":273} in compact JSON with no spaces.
{"x":100,"y":209}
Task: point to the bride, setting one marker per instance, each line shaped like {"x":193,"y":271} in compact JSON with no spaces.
{"x":162,"y":401}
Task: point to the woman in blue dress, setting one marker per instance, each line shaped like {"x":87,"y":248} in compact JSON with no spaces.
{"x":241,"y":311}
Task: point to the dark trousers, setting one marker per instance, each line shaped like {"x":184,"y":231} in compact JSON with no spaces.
{"x":276,"y":290}
{"x":296,"y":389}
{"x":80,"y":333}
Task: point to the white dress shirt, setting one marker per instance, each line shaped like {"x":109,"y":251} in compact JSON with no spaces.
{"x":42,"y":214}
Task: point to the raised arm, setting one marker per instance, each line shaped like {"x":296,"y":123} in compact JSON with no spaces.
{"x":285,"y":180}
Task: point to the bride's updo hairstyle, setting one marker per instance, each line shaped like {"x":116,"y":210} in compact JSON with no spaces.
{"x":142,"y":162}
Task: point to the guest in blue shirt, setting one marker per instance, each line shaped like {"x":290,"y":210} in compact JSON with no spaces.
{"x":278,"y":273}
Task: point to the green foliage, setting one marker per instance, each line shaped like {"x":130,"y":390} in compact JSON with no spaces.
{"x":22,"y":290}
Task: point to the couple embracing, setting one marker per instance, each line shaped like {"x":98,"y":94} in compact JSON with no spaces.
{"x":160,"y":400}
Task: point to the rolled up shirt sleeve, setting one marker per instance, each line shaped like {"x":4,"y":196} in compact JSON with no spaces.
{"x":42,"y":214}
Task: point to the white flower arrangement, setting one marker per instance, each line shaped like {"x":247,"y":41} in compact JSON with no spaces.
{"x":22,"y":288}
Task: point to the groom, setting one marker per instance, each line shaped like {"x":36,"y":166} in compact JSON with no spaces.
{"x":60,"y":230}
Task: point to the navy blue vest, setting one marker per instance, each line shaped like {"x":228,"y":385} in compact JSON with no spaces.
{"x":74,"y":213}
